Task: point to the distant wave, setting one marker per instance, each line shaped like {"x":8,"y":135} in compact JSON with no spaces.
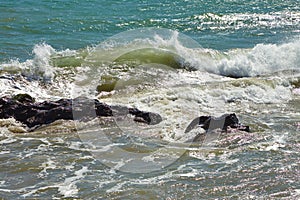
{"x":260,"y":60}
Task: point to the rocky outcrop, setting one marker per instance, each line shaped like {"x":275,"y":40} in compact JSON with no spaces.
{"x":224,"y":122}
{"x":23,"y":108}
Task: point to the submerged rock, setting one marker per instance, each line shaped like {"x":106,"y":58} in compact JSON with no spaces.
{"x":24,"y":109}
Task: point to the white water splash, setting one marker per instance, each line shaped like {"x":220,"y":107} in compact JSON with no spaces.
{"x":40,"y":65}
{"x":262,"y":59}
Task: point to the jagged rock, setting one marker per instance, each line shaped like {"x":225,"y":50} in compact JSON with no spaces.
{"x":211,"y":123}
{"x":23,"y":108}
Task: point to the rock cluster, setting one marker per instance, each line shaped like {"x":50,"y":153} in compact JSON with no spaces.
{"x":23,"y":108}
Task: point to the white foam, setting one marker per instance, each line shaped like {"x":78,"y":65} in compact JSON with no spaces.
{"x":297,"y":192}
{"x":180,"y":104}
{"x":68,"y":188}
{"x":274,"y":147}
{"x":296,"y":91}
{"x":260,"y":93}
{"x":153,"y":180}
{"x":20,"y":84}
{"x":49,"y":164}
{"x":116,"y":188}
{"x":276,"y":144}
{"x":118,"y":165}
{"x":15,"y":65}
{"x":76,"y":145}
{"x":9,"y":126}
{"x":8,"y":140}
{"x":3,"y":152}
{"x":33,"y":191}
{"x":192,"y":173}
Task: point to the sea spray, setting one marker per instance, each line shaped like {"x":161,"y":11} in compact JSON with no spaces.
{"x":41,"y":67}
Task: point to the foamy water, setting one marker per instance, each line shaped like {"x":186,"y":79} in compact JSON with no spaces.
{"x":216,"y":57}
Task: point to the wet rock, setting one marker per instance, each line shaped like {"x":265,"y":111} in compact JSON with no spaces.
{"x":224,"y":122}
{"x":24,"y":98}
{"x":145,"y":117}
{"x":23,"y":108}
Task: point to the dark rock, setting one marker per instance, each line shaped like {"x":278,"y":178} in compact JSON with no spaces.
{"x":146,"y":117}
{"x":24,"y":98}
{"x":211,"y":123}
{"x":23,"y":108}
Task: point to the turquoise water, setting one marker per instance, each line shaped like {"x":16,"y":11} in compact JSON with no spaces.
{"x":180,"y":59}
{"x":76,"y":24}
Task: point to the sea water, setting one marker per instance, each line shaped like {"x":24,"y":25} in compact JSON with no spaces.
{"x":180,"y":59}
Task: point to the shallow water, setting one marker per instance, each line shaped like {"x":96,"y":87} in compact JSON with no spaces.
{"x":219,"y":57}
